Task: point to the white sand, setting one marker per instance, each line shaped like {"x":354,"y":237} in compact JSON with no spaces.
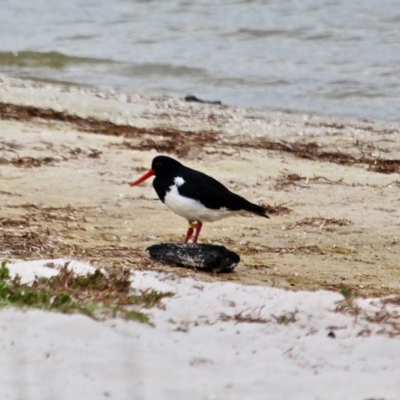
{"x":197,"y":351}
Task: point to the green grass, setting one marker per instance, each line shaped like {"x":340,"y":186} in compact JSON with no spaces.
{"x":348,"y":303}
{"x":97,"y":295}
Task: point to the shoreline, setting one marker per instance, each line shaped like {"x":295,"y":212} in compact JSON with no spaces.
{"x":331,"y":184}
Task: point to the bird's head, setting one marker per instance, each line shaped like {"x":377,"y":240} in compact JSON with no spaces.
{"x":161,"y":166}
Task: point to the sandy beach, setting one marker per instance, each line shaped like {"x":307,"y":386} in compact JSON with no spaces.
{"x":331,"y":243}
{"x":331,"y":186}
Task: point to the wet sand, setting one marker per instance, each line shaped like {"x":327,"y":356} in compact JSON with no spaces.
{"x":331,"y":186}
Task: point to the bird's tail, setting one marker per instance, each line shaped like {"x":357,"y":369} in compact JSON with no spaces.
{"x":256,"y":209}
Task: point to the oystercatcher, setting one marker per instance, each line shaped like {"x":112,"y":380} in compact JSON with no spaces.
{"x":195,"y":196}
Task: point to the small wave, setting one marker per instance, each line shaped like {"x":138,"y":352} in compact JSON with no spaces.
{"x":149,"y":69}
{"x":345,"y":94}
{"x":57,"y":82}
{"x":265,"y":33}
{"x":247,"y":82}
{"x":52,"y":59}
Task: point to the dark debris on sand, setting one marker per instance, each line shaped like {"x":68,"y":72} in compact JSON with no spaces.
{"x":204,"y":257}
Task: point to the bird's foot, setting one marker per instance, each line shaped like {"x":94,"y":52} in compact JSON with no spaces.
{"x":197,"y":233}
{"x":189,"y":233}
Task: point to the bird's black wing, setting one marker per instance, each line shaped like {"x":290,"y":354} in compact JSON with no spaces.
{"x":213,"y":194}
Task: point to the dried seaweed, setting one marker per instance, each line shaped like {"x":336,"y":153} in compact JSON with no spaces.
{"x":384,"y":166}
{"x":77,"y":151}
{"x":35,"y":162}
{"x":177,"y":142}
{"x":14,"y":223}
{"x":252,"y":317}
{"x":163,"y":145}
{"x":313,"y":151}
{"x":28,"y":237}
{"x":320,"y":222}
{"x":283,"y":181}
{"x":277,"y":209}
{"x":32,"y":162}
{"x":250,"y":248}
{"x":26,"y":243}
{"x":379,"y":313}
{"x":183,"y":142}
{"x":367,"y":128}
{"x":93,"y":125}
{"x":327,"y":181}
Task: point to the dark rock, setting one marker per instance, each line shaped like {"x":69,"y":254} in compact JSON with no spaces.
{"x":195,"y":99}
{"x":204,"y":257}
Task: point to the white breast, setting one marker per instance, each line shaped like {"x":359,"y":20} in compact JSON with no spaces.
{"x":191,"y":209}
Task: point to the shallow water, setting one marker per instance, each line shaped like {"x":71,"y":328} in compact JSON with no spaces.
{"x":321,"y":56}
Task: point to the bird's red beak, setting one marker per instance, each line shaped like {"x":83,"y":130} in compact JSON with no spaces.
{"x":147,"y":175}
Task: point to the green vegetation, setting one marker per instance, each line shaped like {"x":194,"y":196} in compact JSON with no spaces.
{"x":348,"y":304}
{"x":347,"y":292}
{"x":98,"y":295}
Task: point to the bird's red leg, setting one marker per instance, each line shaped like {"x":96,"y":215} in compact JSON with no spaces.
{"x":189,"y":231}
{"x":198,"y":229}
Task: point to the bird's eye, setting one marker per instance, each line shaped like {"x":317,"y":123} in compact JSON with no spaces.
{"x":158,"y":163}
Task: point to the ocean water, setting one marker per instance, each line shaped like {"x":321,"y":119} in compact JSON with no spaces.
{"x":329,"y":57}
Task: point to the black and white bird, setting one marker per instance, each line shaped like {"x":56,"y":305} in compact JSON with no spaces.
{"x":195,"y":196}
